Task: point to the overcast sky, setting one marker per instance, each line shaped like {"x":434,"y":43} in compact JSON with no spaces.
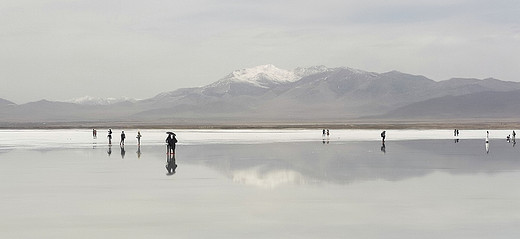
{"x":59,"y":50}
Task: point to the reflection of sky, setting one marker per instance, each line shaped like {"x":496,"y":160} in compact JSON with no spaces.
{"x":429,"y":188}
{"x":270,"y":165}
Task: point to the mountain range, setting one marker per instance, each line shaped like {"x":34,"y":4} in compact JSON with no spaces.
{"x":314,"y":94}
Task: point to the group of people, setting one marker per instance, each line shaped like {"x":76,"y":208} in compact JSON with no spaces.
{"x":123,"y":137}
{"x":326,"y":132}
{"x":511,"y":139}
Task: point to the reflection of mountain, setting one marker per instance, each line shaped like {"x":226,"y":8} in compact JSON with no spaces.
{"x":270,"y":165}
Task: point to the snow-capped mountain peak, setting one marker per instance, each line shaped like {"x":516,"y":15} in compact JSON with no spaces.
{"x":262,"y":76}
{"x":270,"y":71}
{"x":89,"y":100}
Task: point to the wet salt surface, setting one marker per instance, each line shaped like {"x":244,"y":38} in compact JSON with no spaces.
{"x":249,"y":186}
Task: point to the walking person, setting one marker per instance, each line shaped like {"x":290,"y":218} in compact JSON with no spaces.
{"x":109,"y":136}
{"x":138,"y":138}
{"x":383,"y":135}
{"x":123,"y":136}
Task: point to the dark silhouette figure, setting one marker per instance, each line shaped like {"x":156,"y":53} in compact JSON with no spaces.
{"x":170,"y":153}
{"x":109,"y":136}
{"x":170,"y":164}
{"x":171,"y":141}
{"x":383,"y":147}
{"x":138,"y":138}
{"x":456,"y":140}
{"x":123,"y":152}
{"x":123,"y":136}
{"x":514,"y":135}
{"x":383,"y":135}
{"x":94,"y":133}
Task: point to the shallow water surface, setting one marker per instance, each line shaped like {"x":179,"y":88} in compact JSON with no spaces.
{"x":259,"y":184}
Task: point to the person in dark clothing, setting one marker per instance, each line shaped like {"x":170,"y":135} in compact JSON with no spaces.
{"x":170,"y":160}
{"x":383,"y":135}
{"x":123,"y":136}
{"x":109,"y":136}
{"x":171,"y":141}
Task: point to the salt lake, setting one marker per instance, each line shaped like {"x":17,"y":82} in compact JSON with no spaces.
{"x":291,"y":183}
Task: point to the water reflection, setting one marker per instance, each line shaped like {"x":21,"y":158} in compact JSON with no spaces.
{"x":138,"y":151}
{"x":109,"y":150}
{"x":123,"y":152}
{"x":171,"y":166}
{"x":305,"y":162}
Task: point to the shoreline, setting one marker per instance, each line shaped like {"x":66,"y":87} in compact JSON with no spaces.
{"x":455,"y":124}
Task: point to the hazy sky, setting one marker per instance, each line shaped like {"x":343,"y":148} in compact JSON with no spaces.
{"x":58,"y":49}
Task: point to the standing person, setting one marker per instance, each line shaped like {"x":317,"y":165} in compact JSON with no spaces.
{"x":122,"y":138}
{"x":487,"y":136}
{"x":328,"y":134}
{"x":94,"y":133}
{"x":514,"y":135}
{"x":323,"y":134}
{"x":138,"y":138}
{"x":109,"y":136}
{"x":455,"y":132}
{"x":171,"y":141}
{"x":383,"y":135}
{"x":170,"y":156}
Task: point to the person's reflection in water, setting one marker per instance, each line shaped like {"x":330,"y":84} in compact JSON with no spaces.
{"x":123,"y":152}
{"x":138,"y":151}
{"x":456,"y":140}
{"x":170,"y":163}
{"x":383,"y":148}
{"x":109,"y":150}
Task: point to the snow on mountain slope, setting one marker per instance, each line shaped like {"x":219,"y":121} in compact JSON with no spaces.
{"x":89,"y":100}
{"x":264,"y":76}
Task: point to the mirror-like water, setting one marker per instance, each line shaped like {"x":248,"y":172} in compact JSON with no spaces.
{"x":260,"y":184}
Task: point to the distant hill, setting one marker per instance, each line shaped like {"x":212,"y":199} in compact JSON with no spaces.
{"x":4,"y":102}
{"x":489,"y":104}
{"x":313,"y":94}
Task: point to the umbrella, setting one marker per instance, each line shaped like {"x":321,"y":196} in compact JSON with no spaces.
{"x":170,"y":133}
